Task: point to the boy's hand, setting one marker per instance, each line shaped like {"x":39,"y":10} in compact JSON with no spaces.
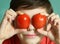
{"x":7,"y":30}
{"x":53,"y":27}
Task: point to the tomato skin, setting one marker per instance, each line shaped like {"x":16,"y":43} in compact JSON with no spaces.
{"x":22,"y":21}
{"x":39,"y":21}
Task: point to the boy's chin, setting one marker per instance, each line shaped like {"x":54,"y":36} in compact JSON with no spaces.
{"x":33,"y":40}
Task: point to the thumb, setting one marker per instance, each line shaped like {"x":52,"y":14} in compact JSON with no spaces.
{"x":17,"y":31}
{"x":49,"y":33}
{"x":48,"y":27}
{"x":43,"y":32}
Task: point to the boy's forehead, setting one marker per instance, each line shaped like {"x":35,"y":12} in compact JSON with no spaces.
{"x":32,"y":12}
{"x":40,"y":9}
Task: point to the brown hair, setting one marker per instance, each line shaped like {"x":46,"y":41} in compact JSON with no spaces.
{"x":31,"y":4}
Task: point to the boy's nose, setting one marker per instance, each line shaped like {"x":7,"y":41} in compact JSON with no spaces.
{"x":31,"y":27}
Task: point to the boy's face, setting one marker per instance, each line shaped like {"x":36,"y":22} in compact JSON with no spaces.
{"x":31,"y":36}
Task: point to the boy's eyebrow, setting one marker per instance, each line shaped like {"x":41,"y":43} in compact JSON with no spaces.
{"x":24,"y":6}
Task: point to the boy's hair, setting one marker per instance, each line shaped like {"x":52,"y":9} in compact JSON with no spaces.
{"x":31,"y":4}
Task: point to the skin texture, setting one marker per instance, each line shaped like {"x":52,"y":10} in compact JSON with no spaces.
{"x":7,"y":30}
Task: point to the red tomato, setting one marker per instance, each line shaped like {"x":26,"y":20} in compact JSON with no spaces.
{"x":22,"y":21}
{"x":39,"y":21}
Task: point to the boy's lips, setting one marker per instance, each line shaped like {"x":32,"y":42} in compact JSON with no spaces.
{"x":30,"y":35}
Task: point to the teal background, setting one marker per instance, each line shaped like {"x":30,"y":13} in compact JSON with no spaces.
{"x":4,"y":5}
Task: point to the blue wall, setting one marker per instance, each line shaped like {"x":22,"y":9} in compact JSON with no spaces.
{"x":4,"y":5}
{"x":56,"y":6}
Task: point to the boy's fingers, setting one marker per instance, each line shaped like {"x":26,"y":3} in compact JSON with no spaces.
{"x":11,"y":13}
{"x":50,"y":35}
{"x":19,"y":12}
{"x":54,"y":17}
{"x":14,"y":13}
{"x":19,"y":30}
{"x":51,"y":15}
{"x":48,"y":27}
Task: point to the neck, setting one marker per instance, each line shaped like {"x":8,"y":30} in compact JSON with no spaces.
{"x":22,"y":42}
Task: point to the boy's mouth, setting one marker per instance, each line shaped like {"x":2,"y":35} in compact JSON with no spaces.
{"x":30,"y":35}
